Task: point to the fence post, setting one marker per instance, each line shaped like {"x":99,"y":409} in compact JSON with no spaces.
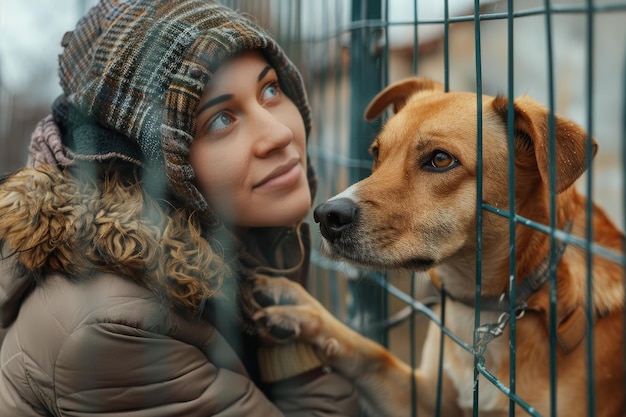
{"x":368,"y":302}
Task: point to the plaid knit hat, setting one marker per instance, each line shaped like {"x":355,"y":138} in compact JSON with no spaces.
{"x":136,"y":69}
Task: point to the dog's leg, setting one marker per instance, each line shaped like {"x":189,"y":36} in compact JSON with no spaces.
{"x":289,"y":312}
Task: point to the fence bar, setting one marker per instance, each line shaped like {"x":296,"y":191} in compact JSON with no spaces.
{"x":366,"y":80}
{"x":507,"y":391}
{"x":562,"y":236}
{"x":442,"y":337}
{"x":555,"y":9}
{"x":512,"y":224}
{"x":479,"y":195}
{"x":412,"y":351}
{"x":412,"y":346}
{"x":559,"y":9}
{"x":446,"y":46}
{"x":589,"y":209}
{"x":623,"y":262}
{"x":416,"y":40}
{"x":446,"y":85}
{"x":552,"y":186}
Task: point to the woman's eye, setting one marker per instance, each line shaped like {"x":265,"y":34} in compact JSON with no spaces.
{"x":442,"y":161}
{"x":272,"y":90}
{"x":220,"y":122}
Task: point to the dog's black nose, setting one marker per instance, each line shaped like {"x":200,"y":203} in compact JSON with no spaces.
{"x":335,"y":216}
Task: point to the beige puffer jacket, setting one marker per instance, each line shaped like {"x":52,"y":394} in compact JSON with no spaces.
{"x":102,"y":345}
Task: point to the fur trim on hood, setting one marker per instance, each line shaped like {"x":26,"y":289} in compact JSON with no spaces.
{"x":53,"y":221}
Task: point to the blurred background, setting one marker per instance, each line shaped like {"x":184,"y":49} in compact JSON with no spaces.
{"x":569,"y":54}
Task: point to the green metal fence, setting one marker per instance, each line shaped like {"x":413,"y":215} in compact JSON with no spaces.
{"x":569,"y":54}
{"x":572,"y":60}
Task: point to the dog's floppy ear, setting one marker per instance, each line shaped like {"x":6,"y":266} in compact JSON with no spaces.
{"x":397,"y":94}
{"x":532,"y":128}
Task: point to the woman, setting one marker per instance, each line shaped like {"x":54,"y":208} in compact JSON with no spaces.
{"x":172,"y":170}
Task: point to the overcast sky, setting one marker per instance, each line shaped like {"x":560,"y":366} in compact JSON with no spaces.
{"x":30,"y":35}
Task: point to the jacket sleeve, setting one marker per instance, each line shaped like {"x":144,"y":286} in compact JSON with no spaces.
{"x":115,"y":369}
{"x":316,"y":393}
{"x":112,"y":369}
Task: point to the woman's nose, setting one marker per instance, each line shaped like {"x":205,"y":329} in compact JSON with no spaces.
{"x":270,"y":132}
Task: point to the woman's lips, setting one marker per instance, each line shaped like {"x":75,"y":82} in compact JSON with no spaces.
{"x":285,"y":175}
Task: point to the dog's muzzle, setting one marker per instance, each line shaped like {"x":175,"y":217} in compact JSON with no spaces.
{"x":335,"y":217}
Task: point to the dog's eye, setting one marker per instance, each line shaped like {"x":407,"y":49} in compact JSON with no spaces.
{"x":441,"y":161}
{"x":374,"y":151}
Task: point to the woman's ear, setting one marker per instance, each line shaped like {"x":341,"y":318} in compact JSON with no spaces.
{"x":532,"y":125}
{"x":397,"y":94}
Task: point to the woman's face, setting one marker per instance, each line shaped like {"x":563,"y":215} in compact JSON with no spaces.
{"x":249,"y":150}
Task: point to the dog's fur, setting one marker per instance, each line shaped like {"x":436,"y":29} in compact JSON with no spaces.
{"x":418,"y":210}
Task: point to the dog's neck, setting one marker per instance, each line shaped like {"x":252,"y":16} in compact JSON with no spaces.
{"x":525,"y":287}
{"x":458,"y":274}
{"x":531,"y":295}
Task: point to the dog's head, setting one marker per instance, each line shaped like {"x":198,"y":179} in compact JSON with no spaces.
{"x":418,"y":208}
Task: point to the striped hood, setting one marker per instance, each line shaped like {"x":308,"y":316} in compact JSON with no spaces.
{"x":138,"y":69}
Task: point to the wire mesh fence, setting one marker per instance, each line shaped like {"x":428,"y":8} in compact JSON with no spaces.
{"x":568,"y":55}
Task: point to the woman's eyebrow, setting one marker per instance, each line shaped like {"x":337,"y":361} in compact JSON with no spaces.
{"x":264,"y":72}
{"x":214,"y":101}
{"x":225,"y":97}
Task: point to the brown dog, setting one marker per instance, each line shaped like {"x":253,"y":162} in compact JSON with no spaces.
{"x":418,"y":210}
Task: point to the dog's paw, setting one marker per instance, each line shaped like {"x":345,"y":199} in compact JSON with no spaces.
{"x":276,"y":327}
{"x":282,"y":323}
{"x":268,"y":291}
{"x":286,"y":312}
